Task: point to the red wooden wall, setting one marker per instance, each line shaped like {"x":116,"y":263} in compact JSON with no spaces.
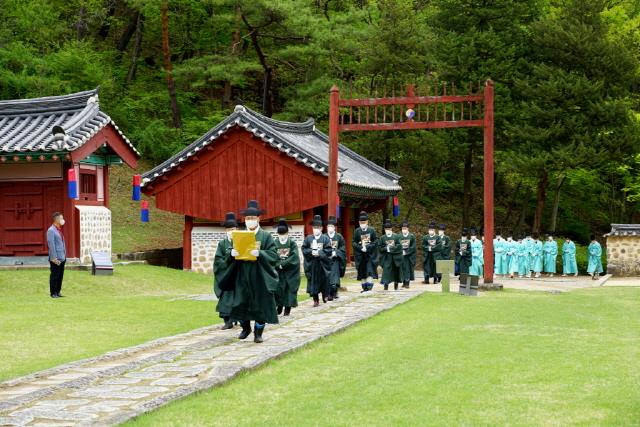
{"x":232,"y":171}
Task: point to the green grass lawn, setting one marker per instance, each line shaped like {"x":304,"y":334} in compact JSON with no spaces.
{"x":506,"y":358}
{"x":98,"y":314}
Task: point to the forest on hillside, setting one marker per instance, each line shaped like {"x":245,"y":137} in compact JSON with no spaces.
{"x":566,"y":73}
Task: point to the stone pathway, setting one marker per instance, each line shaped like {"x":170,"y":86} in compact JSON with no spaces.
{"x":119,"y":385}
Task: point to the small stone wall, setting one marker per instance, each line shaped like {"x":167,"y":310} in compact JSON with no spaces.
{"x":204,"y":242}
{"x":95,"y":231}
{"x":623,"y":255}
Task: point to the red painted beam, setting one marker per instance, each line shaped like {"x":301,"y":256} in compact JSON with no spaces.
{"x":488,"y":182}
{"x":334,"y":117}
{"x":410,"y":125}
{"x":404,"y":100}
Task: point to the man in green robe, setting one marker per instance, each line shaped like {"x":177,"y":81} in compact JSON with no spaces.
{"x":257,"y":281}
{"x":288,"y":268}
{"x":364,"y":248}
{"x":463,"y":253}
{"x":594,"y":268}
{"x":444,"y":247}
{"x":390,"y":256}
{"x":225,"y":271}
{"x":317,"y":250}
{"x":338,"y":258}
{"x":408,"y":242}
{"x":430,"y":248}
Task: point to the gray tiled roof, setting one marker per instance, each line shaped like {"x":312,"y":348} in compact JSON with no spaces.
{"x":26,"y":125}
{"x":624,"y":230}
{"x":302,"y":141}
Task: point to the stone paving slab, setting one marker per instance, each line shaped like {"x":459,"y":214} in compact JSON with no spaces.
{"x":119,"y":385}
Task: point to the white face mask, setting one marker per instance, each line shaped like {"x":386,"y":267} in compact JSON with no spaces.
{"x":405,"y":231}
{"x":463,"y":238}
{"x":473,"y":237}
{"x":388,"y":232}
{"x":283,"y":238}
{"x":498,"y":237}
{"x":251,"y":224}
{"x":441,"y":232}
{"x":331,"y":229}
{"x":550,"y":238}
{"x":317,"y":231}
{"x":363,"y":227}
{"x":509,"y":239}
{"x":61,"y":222}
{"x":432,"y":232}
{"x":229,"y":234}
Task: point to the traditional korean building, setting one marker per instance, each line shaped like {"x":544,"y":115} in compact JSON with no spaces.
{"x":281,"y":164}
{"x":40,"y":140}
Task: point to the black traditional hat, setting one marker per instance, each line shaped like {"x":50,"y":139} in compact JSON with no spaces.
{"x":443,"y":226}
{"x":230,"y":220}
{"x":473,"y":231}
{"x":465,"y":232}
{"x":283,"y":227}
{"x":332,"y":220}
{"x":317,"y":221}
{"x":252,"y":209}
{"x":405,"y":223}
{"x":387,"y":224}
{"x":363,"y":216}
{"x":432,"y":225}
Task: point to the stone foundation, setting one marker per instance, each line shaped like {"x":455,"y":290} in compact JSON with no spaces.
{"x":95,"y":231}
{"x":623,"y":250}
{"x":204,"y":242}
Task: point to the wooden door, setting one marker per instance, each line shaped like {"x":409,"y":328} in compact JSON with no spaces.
{"x":24,"y":217}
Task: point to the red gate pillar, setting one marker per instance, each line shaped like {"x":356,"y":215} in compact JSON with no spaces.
{"x":488,"y":182}
{"x":334,"y":108}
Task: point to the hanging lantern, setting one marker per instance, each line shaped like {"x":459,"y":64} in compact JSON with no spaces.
{"x":72,"y":184}
{"x":396,"y":207}
{"x":144,"y":211}
{"x":410,"y":113}
{"x":135,"y":195}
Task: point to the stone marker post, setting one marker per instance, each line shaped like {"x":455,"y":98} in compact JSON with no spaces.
{"x":444,"y":267}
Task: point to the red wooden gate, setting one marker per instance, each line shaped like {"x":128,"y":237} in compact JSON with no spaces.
{"x":369,"y":114}
{"x":24,"y":216}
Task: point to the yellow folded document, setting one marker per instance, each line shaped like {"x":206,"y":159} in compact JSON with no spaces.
{"x":244,"y":242}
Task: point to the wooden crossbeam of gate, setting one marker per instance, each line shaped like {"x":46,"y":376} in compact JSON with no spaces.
{"x":481,"y":103}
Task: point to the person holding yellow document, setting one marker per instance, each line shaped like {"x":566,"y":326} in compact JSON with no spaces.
{"x":257,"y":280}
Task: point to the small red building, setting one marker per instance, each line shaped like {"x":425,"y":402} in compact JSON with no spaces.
{"x":281,"y":164}
{"x":40,"y":140}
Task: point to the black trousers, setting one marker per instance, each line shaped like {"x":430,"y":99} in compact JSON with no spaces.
{"x":55,"y":278}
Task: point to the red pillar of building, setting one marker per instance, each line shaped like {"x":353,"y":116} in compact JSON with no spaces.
{"x":307,"y":217}
{"x":186,"y":243}
{"x":488,"y":182}
{"x":334,"y":108}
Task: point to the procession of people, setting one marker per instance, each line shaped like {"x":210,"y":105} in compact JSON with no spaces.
{"x":265,"y":286}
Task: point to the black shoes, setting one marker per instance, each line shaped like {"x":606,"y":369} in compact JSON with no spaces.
{"x":279,"y":310}
{"x":395,"y":286}
{"x":57,"y":296}
{"x":287,"y":311}
{"x":386,"y":287}
{"x":316,"y":301}
{"x":246,"y":329}
{"x":228,"y":324}
{"x":257,"y":335}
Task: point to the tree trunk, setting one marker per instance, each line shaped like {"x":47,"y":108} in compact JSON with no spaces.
{"x":267,"y":101}
{"x":103,"y":32}
{"x":168,"y":68}
{"x":556,"y":203}
{"x":128,"y":31}
{"x":540,"y":199}
{"x":467,"y":198}
{"x":235,"y":46}
{"x":131,"y":74}
{"x":520,"y":226}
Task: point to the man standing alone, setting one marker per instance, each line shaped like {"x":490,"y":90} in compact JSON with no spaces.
{"x":57,"y":255}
